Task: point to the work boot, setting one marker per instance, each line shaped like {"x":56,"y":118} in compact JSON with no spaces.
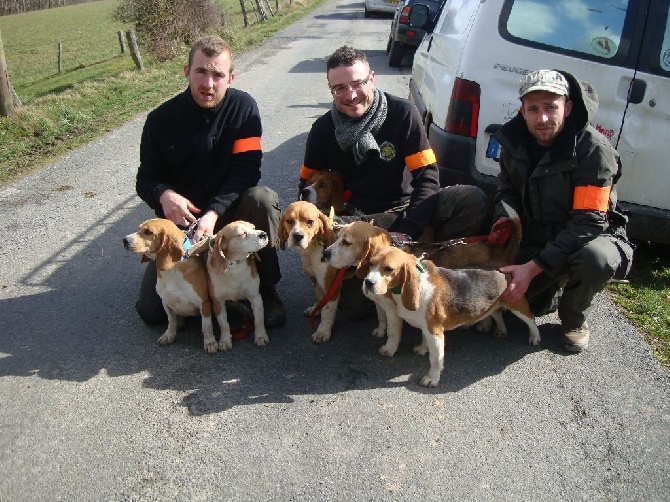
{"x":576,"y":339}
{"x":272,"y":307}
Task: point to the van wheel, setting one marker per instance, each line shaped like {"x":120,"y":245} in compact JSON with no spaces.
{"x":396,"y":53}
{"x":388,"y":45}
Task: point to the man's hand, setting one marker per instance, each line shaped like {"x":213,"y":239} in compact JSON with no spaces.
{"x":205,"y":226}
{"x":521,"y":277}
{"x":178,"y":209}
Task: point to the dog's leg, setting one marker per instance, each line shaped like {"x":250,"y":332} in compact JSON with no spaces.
{"x":318,"y":294}
{"x":422,"y":348}
{"x":533,"y":332}
{"x":211,"y":346}
{"x":325,"y":329}
{"x":225,"y":341}
{"x":436,"y":356}
{"x":171,"y":331}
{"x":394,"y":332}
{"x":260,"y":335}
{"x":501,"y":329}
{"x":380,"y":330}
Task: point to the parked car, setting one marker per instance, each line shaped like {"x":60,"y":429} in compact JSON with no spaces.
{"x":406,"y":37}
{"x":382,"y":6}
{"x":465,"y":77}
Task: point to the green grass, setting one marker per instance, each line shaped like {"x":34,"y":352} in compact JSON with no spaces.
{"x":99,"y":89}
{"x":646,"y":300}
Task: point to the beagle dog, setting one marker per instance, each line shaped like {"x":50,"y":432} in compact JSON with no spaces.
{"x":436,"y":299}
{"x":181,"y":283}
{"x":354,"y":246}
{"x":307,"y":230}
{"x":231,"y":267}
{"x":325,"y":189}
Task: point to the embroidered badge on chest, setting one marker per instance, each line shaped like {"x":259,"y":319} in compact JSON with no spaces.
{"x":387,"y":151}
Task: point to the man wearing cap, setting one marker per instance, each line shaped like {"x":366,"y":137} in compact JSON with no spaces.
{"x":559,"y":174}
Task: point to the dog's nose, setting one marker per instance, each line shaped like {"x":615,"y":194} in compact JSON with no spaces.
{"x":298,"y":237}
{"x":369,"y":283}
{"x":126,"y":243}
{"x":326,"y":255}
{"x":263,"y":235}
{"x":304,"y":194}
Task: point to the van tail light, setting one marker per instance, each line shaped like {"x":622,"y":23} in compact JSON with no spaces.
{"x":463,"y":108}
{"x":404,"y":15}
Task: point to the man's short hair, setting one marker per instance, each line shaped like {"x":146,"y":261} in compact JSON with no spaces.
{"x":345,"y":56}
{"x":211,"y":46}
{"x":544,"y":80}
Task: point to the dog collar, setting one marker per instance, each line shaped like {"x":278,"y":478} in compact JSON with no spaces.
{"x":396,"y":290}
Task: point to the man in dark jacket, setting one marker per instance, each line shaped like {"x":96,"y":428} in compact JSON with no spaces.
{"x":379,"y":144}
{"x":559,"y":174}
{"x":200,"y":160}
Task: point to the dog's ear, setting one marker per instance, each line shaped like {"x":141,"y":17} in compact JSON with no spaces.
{"x":202,"y":246}
{"x":218,"y":260}
{"x":410,"y":286}
{"x":327,"y":232}
{"x":364,"y":265}
{"x":379,"y":240}
{"x":169,"y":251}
{"x":338,"y":189}
{"x":283,"y":233}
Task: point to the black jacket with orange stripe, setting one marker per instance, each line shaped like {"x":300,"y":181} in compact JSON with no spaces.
{"x":208,"y":156}
{"x":404,"y":170}
{"x":566,"y":199}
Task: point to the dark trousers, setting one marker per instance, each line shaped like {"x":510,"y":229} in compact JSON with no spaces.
{"x":587,"y":271}
{"x":259,"y":206}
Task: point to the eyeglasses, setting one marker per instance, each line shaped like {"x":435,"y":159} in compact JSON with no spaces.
{"x":341,"y":90}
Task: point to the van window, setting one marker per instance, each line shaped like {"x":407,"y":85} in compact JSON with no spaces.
{"x":596,"y":29}
{"x":664,"y":53}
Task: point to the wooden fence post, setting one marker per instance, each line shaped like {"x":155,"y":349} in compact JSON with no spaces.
{"x":122,"y":42}
{"x":60,"y":57}
{"x":6,"y":103}
{"x":244,"y":14}
{"x":261,"y":10}
{"x":134,"y":50}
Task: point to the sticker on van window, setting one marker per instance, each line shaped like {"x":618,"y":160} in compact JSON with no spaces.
{"x":604,"y":46}
{"x":665,"y":60}
{"x":493,"y":150}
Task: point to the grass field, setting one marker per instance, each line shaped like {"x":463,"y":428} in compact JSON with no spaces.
{"x":100,"y":89}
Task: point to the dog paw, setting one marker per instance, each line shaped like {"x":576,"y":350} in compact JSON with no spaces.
{"x":320,"y":337}
{"x":387,"y":351}
{"x":166,"y":339}
{"x":379,"y":332}
{"x":261,"y":340}
{"x":500,"y":333}
{"x":484,"y":326}
{"x":427,"y":381}
{"x":308,"y":311}
{"x":225,"y":343}
{"x":420,"y":350}
{"x":211,"y":348}
{"x":534,"y":340}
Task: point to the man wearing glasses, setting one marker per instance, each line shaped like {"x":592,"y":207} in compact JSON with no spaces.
{"x":378,"y":142}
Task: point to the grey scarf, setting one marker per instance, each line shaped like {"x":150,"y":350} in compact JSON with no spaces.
{"x":357,"y":135}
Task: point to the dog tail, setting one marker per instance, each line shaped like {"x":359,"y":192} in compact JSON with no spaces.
{"x":514,"y":242}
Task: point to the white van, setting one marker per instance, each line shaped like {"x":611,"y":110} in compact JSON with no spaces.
{"x":466,"y":72}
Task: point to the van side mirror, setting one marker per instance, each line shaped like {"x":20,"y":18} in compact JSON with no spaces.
{"x":419,"y":15}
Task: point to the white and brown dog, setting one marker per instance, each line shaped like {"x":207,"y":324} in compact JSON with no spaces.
{"x":181,"y":283}
{"x":436,"y":300}
{"x":231,"y":266}
{"x":325,"y":189}
{"x":307,"y":230}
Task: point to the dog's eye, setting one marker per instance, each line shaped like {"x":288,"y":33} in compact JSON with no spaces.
{"x":310,"y":223}
{"x":323,"y":185}
{"x":346,"y":243}
{"x":146,"y":231}
{"x":290,"y":221}
{"x":388,"y":269}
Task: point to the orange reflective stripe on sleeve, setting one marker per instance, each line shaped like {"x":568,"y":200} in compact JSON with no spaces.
{"x":306,"y":172}
{"x":420,"y":159}
{"x":246,"y":144}
{"x":591,"y":198}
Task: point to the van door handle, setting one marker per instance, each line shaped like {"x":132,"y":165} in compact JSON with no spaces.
{"x":637,"y":90}
{"x":430,"y":43}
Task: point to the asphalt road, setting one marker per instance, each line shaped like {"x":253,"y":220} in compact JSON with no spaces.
{"x":92,"y":409}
